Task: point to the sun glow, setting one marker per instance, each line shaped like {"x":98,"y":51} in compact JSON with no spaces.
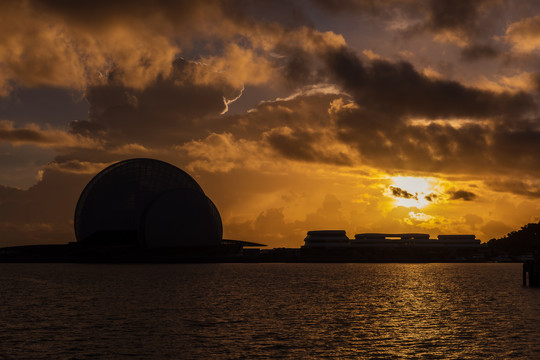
{"x":410,"y":191}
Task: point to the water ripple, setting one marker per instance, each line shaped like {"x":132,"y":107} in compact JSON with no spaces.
{"x":268,"y":311}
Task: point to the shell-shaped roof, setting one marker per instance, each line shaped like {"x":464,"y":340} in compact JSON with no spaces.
{"x":117,"y":197}
{"x":181,"y":218}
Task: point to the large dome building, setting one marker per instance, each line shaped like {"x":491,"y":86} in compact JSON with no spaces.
{"x":147,"y":203}
{"x":140,"y":211}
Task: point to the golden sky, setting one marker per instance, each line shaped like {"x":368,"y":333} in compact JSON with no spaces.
{"x":367,"y":116}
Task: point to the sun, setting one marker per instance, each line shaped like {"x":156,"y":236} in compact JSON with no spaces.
{"x":410,"y":191}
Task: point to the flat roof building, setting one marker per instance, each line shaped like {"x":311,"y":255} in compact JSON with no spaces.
{"x":338,"y":238}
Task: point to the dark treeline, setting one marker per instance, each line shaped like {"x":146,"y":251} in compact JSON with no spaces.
{"x":520,"y":242}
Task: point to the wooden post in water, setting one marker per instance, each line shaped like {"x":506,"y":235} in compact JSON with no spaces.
{"x":532,"y":268}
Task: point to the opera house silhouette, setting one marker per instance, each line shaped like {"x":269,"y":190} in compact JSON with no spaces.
{"x":147,"y":203}
{"x":140,"y":210}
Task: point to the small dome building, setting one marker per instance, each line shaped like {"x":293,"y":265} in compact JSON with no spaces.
{"x":149,"y":204}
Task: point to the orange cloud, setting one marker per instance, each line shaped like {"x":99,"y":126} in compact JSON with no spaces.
{"x":222,"y":153}
{"x":55,"y":44}
{"x":48,"y":137}
{"x":524,"y":35}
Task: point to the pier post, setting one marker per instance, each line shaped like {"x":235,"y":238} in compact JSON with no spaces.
{"x":533,"y":269}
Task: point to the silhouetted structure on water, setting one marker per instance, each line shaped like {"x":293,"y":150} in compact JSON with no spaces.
{"x":140,"y":210}
{"x":531,"y":273}
{"x":334,"y":244}
{"x":146,"y":203}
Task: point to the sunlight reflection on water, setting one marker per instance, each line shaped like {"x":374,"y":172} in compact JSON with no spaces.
{"x":186,"y":311}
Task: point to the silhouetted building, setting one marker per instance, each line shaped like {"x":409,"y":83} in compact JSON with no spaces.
{"x":336,"y":246}
{"x":326,"y":238}
{"x":147,"y":203}
{"x":414,"y":240}
{"x":140,"y":210}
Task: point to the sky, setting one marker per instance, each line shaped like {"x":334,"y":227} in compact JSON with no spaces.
{"x":361,"y":115}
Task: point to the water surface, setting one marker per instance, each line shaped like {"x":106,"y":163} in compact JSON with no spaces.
{"x":267,"y":311}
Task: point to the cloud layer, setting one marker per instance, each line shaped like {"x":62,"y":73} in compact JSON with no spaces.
{"x":421,"y":88}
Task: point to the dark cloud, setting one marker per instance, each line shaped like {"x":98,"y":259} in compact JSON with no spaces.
{"x":87,"y":128}
{"x":496,"y":131}
{"x":294,"y":145}
{"x":465,"y":19}
{"x":300,"y":146}
{"x":536,"y":81}
{"x":370,"y":6}
{"x":462,"y":21}
{"x":462,"y":195}
{"x":478,"y":52}
{"x":297,"y":128}
{"x":530,"y":189}
{"x":386,"y":143}
{"x":402,"y":91}
{"x":397,"y":192}
{"x":306,"y":110}
{"x":178,"y":13}
{"x":516,"y":145}
{"x":299,"y":67}
{"x":94,"y":11}
{"x":450,"y":15}
{"x":168,"y":111}
{"x":76,"y":166}
{"x":24,"y":135}
{"x":431,"y":197}
{"x":34,"y":135}
{"x":383,"y":9}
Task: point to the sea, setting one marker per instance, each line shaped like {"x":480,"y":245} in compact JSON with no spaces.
{"x":268,"y":311}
